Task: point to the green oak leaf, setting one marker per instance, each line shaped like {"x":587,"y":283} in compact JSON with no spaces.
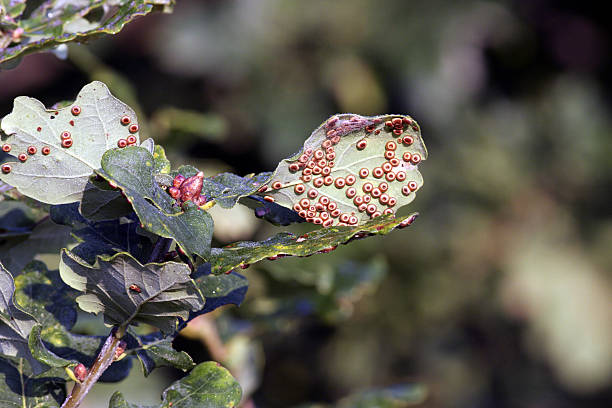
{"x":62,"y":175}
{"x":127,"y":291}
{"x":43,"y":294}
{"x":208,"y":385}
{"x":161,"y":165}
{"x":283,"y":244}
{"x":131,"y":170}
{"x":227,"y":188}
{"x":20,"y":388}
{"x":15,"y":325}
{"x":58,"y":22}
{"x":9,"y":9}
{"x":357,"y":146}
{"x":41,"y":353}
{"x":155,"y":350}
{"x":220,"y":290}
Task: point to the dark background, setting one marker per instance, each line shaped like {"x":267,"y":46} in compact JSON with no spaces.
{"x":500,"y":294}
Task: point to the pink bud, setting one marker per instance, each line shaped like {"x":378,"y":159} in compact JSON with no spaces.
{"x":174,"y":192}
{"x":192,"y":187}
{"x":178,"y":180}
{"x":80,"y":372}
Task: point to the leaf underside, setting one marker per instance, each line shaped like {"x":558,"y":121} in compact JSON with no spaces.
{"x":62,"y":175}
{"x":351,"y":169}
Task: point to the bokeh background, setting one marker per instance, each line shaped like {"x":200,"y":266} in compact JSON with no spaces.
{"x":499,"y":295}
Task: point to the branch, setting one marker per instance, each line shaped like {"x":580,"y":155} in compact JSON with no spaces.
{"x":103,"y":361}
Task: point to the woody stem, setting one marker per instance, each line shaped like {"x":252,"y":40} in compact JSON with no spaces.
{"x":104,"y":359}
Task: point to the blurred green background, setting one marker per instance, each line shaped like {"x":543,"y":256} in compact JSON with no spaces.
{"x":499,"y":295}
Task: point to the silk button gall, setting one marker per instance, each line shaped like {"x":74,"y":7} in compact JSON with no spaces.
{"x":22,"y":157}
{"x":6,"y":168}
{"x":46,"y":150}
{"x":125,"y":120}
{"x":299,"y":188}
{"x":122,"y":143}
{"x":133,"y":128}
{"x":6,"y":148}
{"x":32,"y":150}
{"x":408,"y":140}
{"x":76,"y":110}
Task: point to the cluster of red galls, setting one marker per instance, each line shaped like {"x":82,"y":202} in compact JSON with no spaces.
{"x":188,"y":189}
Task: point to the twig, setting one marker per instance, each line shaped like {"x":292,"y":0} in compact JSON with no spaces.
{"x":160,"y":249}
{"x":103,"y":361}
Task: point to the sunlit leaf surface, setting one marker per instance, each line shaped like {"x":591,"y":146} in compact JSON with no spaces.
{"x":58,"y":150}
